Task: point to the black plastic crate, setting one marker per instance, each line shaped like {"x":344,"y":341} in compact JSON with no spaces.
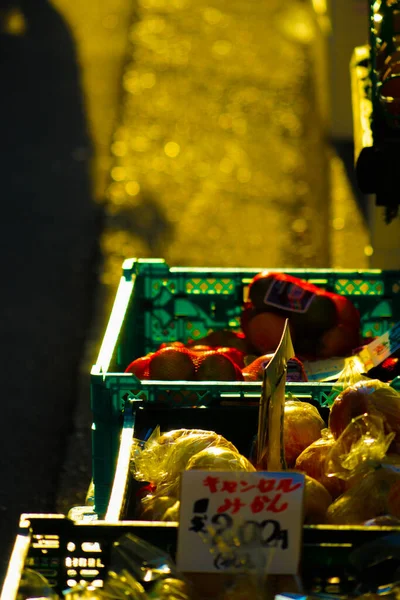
{"x":66,"y":552}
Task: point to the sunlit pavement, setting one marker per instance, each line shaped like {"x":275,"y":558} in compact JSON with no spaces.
{"x":219,"y":154}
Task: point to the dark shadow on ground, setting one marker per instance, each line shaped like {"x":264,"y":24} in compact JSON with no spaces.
{"x":49,"y":257}
{"x":345,"y":150}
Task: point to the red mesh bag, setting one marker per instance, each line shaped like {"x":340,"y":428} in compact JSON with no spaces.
{"x":140,"y":367}
{"x":322,"y":323}
{"x":222,"y":338}
{"x":237,"y":356}
{"x":178,"y":363}
{"x":173,"y":344}
{"x":216,"y":365}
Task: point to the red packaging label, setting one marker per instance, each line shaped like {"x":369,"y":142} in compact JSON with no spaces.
{"x":288,"y":296}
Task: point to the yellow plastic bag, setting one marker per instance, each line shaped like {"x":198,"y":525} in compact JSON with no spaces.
{"x":372,"y":495}
{"x":364,"y":440}
{"x":164,"y":457}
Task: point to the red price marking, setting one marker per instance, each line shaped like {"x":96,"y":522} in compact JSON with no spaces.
{"x":246,"y":487}
{"x":229,"y":486}
{"x":261,"y":503}
{"x":264,"y":486}
{"x":211,"y":483}
{"x":231,"y":505}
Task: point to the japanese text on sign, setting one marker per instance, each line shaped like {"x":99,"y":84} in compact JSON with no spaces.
{"x":231,"y":520}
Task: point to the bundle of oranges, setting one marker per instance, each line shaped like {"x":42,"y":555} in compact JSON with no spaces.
{"x":200,"y":362}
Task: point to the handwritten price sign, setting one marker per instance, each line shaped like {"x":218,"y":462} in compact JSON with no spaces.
{"x":233,"y":521}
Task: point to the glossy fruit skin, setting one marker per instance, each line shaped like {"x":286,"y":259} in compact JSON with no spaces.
{"x":302,"y":426}
{"x":312,"y":462}
{"x":350,"y":403}
{"x":219,"y":459}
{"x":366,"y":499}
{"x":317,"y":500}
{"x":370,"y":396}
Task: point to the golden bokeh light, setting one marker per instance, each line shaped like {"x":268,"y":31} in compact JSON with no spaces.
{"x":220,"y":136}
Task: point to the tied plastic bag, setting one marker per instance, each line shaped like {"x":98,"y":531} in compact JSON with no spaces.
{"x":374,"y":493}
{"x":138,"y":571}
{"x":164,"y":457}
{"x":150,"y":567}
{"x":312,"y":462}
{"x":364,"y":440}
{"x":163,"y":504}
{"x":123,"y":586}
{"x":169,"y":589}
{"x":353,"y":372}
{"x":369,"y":396}
{"x":34,"y":585}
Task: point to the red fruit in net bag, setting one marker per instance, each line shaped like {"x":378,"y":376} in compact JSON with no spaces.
{"x":201,"y":348}
{"x":255,"y":370}
{"x":171,"y":345}
{"x":302,"y":426}
{"x":234,"y":354}
{"x":216,"y":366}
{"x":140,"y":367}
{"x":172,"y":364}
{"x":347,"y":312}
{"x":308,"y":304}
{"x":237,"y":356}
{"x":338,"y":341}
{"x":264,"y":331}
{"x":312,"y":462}
{"x":222,"y":337}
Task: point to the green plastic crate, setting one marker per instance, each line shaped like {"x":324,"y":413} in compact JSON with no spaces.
{"x":155,"y":303}
{"x":65,"y":552}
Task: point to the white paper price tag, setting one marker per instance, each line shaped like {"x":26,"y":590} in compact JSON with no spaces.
{"x":234,"y":521}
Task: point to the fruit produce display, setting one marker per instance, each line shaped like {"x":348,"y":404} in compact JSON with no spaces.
{"x":351,"y":463}
{"x":322,"y":325}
